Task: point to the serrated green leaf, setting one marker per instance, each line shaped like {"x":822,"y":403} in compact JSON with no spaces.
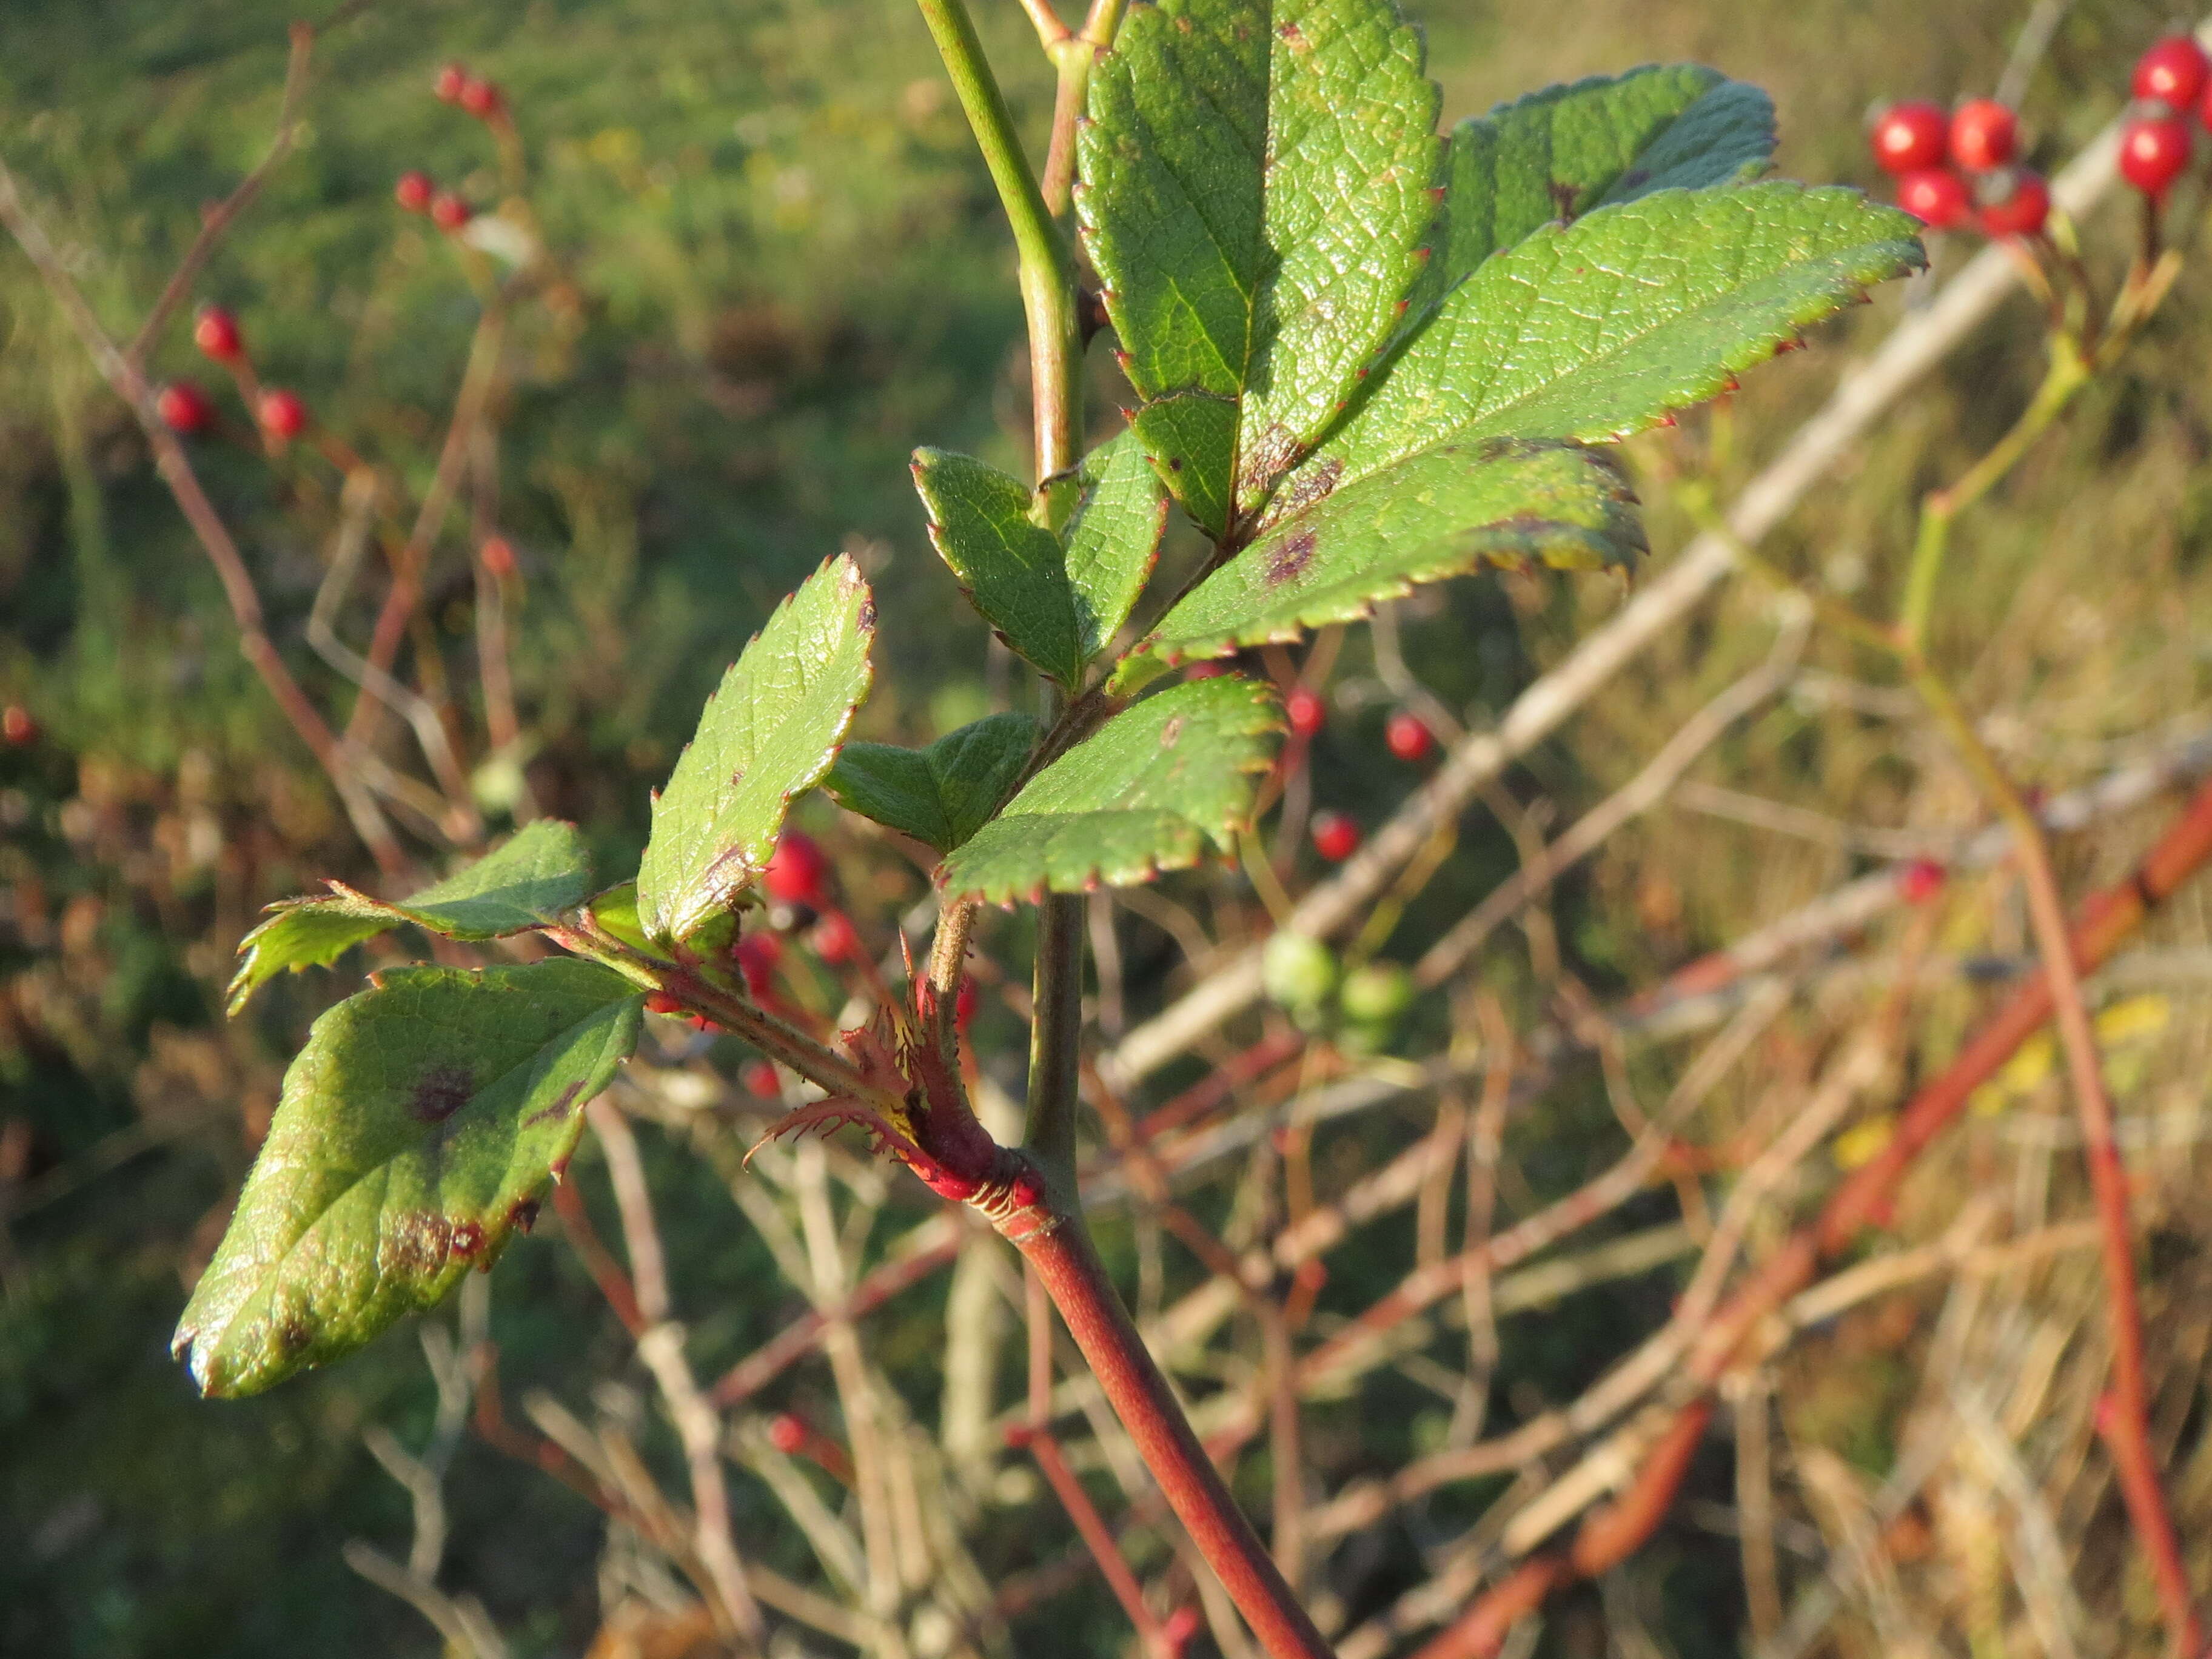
{"x":1147,"y":792}
{"x":1011,"y":568}
{"x":1114,"y":537}
{"x":941,"y":794}
{"x":771,"y":730}
{"x":1440,"y":513}
{"x":413,"y":1130}
{"x":1596,"y":330}
{"x":1561,"y":153}
{"x":542,"y":871}
{"x":1256,"y":180}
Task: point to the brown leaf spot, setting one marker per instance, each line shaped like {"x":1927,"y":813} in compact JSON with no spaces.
{"x":414,"y":1245}
{"x":1312,"y":485}
{"x":1171,"y":734}
{"x":1288,"y":558}
{"x":291,"y":1335}
{"x":439,"y":1092}
{"x":522,"y":1215}
{"x":1292,"y":38}
{"x":466,"y":1239}
{"x":558,"y":1109}
{"x":867,"y":613}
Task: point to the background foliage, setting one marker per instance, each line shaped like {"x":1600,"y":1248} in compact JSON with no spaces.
{"x":791,"y":272}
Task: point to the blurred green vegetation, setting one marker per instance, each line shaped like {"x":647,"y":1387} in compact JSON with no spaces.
{"x":793,"y":272}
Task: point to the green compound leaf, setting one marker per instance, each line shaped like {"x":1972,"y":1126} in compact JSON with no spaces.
{"x":1561,"y":153}
{"x":414,"y":1128}
{"x":1010,"y":567}
{"x":1596,"y":330}
{"x":1148,"y":792}
{"x":941,"y":794}
{"x":1256,"y":180}
{"x":542,"y":871}
{"x":771,"y":730}
{"x":1114,"y":538}
{"x":1440,"y":513}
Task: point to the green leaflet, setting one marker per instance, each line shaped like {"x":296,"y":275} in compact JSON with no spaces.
{"x":1440,"y":513}
{"x":1114,"y":537}
{"x":1559,"y":153}
{"x":413,"y":1130}
{"x":1011,"y":568}
{"x":541,"y":871}
{"x":941,"y":794}
{"x":1257,"y":179}
{"x":1596,"y":330}
{"x":1147,"y":792}
{"x":771,"y":730}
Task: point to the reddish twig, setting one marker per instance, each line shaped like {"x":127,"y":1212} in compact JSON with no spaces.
{"x":800,"y":1337}
{"x":1864,"y":1199}
{"x":126,"y":381}
{"x":606,"y":1271}
{"x":219,"y":218}
{"x":1098,"y":1537}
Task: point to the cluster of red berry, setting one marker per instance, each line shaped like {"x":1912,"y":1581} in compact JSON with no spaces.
{"x":1336,"y":835}
{"x":1955,"y":169}
{"x":1952,"y":169}
{"x":186,"y":409}
{"x":418,"y":192}
{"x":2169,"y":85}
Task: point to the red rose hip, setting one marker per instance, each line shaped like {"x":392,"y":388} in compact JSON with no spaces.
{"x":786,"y":1433}
{"x":17,"y":726}
{"x":1936,"y":196}
{"x":283,"y":416}
{"x":1336,"y":836}
{"x":1910,"y":136}
{"x":1984,"y":134}
{"x":835,"y":939}
{"x":414,"y":191}
{"x":2153,"y":152}
{"x":1409,"y":740}
{"x":216,"y":333}
{"x":451,"y":79}
{"x":184,"y":408}
{"x":497,"y":556}
{"x":479,"y":98}
{"x":1305,"y":712}
{"x":2173,"y":72}
{"x":796,"y":870}
{"x":2017,"y":205}
{"x":1920,"y":881}
{"x":449,"y":212}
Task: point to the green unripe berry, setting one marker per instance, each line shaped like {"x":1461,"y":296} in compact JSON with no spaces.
{"x":1376,"y":994}
{"x":1299,"y":971}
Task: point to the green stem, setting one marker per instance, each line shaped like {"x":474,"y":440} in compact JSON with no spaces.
{"x":1047,"y":267}
{"x":2069,"y":373}
{"x":1075,"y":55}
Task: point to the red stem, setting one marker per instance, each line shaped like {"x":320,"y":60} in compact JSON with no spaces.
{"x":1068,"y":1266}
